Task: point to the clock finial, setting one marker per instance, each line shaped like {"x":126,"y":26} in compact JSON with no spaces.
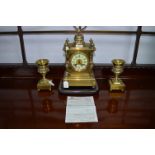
{"x":79,"y":38}
{"x":79,"y":29}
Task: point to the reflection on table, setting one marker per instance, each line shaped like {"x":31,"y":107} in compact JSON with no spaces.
{"x":26,"y":108}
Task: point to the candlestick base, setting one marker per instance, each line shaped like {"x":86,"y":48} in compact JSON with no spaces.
{"x":44,"y":84}
{"x":116,"y":85}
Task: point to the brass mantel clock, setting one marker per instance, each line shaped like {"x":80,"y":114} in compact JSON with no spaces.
{"x":79,"y":77}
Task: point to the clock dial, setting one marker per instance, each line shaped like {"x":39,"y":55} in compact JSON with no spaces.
{"x":79,"y":62}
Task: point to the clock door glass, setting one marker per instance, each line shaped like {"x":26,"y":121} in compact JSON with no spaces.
{"x":79,"y":62}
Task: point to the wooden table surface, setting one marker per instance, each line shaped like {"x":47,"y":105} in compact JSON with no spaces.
{"x":21,"y":106}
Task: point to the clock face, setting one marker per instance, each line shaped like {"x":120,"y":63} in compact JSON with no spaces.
{"x":79,"y":62}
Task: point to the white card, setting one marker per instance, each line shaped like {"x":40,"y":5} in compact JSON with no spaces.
{"x":80,"y":109}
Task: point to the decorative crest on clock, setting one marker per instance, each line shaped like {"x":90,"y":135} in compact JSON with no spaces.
{"x":79,"y":38}
{"x":79,"y":29}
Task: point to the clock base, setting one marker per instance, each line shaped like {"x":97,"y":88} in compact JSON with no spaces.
{"x":78,"y":90}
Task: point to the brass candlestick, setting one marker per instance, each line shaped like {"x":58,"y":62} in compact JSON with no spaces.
{"x":116,"y":83}
{"x":44,"y":83}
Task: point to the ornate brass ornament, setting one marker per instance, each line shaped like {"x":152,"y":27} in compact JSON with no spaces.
{"x":79,"y":65}
{"x":116,"y":83}
{"x":43,"y":69}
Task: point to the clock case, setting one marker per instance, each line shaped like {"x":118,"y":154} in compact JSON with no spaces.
{"x":79,"y":81}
